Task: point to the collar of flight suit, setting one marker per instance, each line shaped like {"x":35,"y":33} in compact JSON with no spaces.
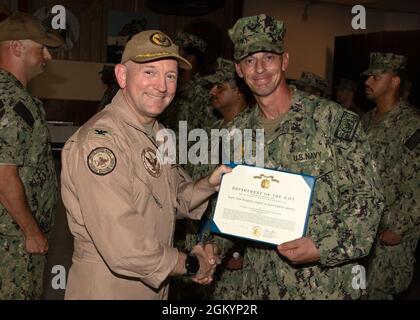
{"x":127,"y":114}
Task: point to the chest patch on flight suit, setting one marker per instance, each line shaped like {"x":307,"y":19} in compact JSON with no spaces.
{"x":151,"y":162}
{"x":347,"y":127}
{"x":24,"y":113}
{"x":413,"y":141}
{"x":101,"y":161}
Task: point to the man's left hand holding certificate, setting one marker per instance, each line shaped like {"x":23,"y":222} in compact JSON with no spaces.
{"x":265,"y":205}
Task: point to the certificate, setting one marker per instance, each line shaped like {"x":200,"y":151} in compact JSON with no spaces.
{"x":264,"y":205}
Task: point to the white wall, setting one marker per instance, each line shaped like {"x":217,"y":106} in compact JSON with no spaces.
{"x":311,"y":43}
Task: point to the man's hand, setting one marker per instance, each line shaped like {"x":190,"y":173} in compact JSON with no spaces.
{"x":299,"y":251}
{"x":215,"y":178}
{"x":209,"y":259}
{"x":36,"y":243}
{"x":389,"y":238}
{"x":207,"y":186}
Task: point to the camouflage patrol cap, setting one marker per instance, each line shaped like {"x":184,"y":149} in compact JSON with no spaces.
{"x":257,"y":33}
{"x":187,"y":40}
{"x":381,"y":62}
{"x":23,"y":26}
{"x":225,"y":71}
{"x":312,"y":80}
{"x":152,"y":45}
{"x":347,"y":84}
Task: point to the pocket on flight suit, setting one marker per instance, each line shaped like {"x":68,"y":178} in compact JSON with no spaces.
{"x":143,"y":192}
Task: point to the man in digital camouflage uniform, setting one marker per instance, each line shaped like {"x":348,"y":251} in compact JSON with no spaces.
{"x":231,"y":97}
{"x":393,"y":129}
{"x":317,"y":137}
{"x":311,"y":83}
{"x":345,"y":95}
{"x":192,"y":102}
{"x":28,"y":185}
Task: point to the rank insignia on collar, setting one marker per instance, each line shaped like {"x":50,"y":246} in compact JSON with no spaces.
{"x":101,"y":161}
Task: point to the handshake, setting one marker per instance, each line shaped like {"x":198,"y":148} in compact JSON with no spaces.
{"x":200,"y":264}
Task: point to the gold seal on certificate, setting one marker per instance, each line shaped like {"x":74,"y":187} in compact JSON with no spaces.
{"x":263,"y":204}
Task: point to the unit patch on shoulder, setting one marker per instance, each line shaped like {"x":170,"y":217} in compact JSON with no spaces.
{"x":413,"y":141}
{"x":101,"y":161}
{"x":347,"y":127}
{"x":100,"y":133}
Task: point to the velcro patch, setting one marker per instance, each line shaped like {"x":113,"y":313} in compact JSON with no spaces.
{"x":413,"y":141}
{"x":1,"y":109}
{"x":347,"y":127}
{"x":101,"y":161}
{"x":24,"y":113}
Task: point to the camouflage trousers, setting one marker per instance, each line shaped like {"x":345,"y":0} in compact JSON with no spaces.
{"x":20,"y":273}
{"x":229,"y":285}
{"x":390,"y":271}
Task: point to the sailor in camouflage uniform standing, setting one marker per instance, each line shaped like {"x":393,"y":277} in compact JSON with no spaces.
{"x":231,"y":97}
{"x":393,"y":129}
{"x":28,"y":185}
{"x":316,"y":137}
{"x":192,"y":102}
{"x":311,"y":83}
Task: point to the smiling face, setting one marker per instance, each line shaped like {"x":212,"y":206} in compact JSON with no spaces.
{"x":148,"y":87}
{"x":263,"y":71}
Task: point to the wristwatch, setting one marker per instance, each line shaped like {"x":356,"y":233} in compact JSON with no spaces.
{"x":192,"y":265}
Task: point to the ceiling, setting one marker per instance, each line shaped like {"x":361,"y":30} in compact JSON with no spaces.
{"x":412,"y":6}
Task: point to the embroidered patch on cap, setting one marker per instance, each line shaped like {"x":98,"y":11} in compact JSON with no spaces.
{"x":101,"y":161}
{"x":347,"y":126}
{"x":158,"y":38}
{"x":151,"y":162}
{"x":413,"y":141}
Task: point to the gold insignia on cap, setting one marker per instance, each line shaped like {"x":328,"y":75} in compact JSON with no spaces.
{"x":101,"y":161}
{"x":151,"y":162}
{"x":160,"y":39}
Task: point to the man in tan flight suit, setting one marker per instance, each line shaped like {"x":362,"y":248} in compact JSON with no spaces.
{"x":121,"y":200}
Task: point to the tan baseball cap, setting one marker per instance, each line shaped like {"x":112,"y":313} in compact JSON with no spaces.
{"x":23,"y":26}
{"x":152,"y":45}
